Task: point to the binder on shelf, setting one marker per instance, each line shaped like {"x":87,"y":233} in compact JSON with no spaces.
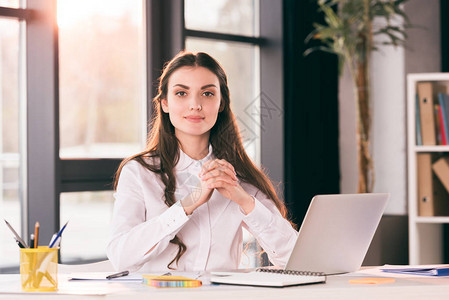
{"x":441,"y":169}
{"x":431,"y":193}
{"x":443,"y":99}
{"x":426,"y":110}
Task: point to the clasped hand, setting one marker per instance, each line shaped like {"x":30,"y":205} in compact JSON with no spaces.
{"x":218,"y":174}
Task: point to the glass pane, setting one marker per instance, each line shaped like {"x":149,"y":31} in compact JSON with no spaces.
{"x":241,"y":63}
{"x":102,"y":78}
{"x":224,"y":16}
{"x":9,"y":141}
{"x":251,"y":256}
{"x":10,"y":3}
{"x":87,"y":233}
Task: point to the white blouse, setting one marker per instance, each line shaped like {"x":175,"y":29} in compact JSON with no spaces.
{"x":212,"y":233}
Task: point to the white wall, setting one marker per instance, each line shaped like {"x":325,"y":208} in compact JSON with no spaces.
{"x":388,"y":129}
{"x":389,"y":67}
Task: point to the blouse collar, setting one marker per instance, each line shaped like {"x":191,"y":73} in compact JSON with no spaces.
{"x":186,"y":161}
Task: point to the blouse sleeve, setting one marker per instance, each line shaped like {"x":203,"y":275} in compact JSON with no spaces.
{"x":132,"y":235}
{"x":273,"y":232}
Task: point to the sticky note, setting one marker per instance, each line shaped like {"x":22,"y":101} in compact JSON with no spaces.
{"x":372,"y":280}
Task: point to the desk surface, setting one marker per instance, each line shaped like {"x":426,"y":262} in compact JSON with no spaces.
{"x":336,"y":287}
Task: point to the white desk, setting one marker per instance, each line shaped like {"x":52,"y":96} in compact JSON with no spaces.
{"x":337,"y":287}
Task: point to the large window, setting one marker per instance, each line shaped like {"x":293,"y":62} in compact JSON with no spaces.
{"x":240,"y":62}
{"x":10,"y":3}
{"x":89,"y":215}
{"x":223,"y":16}
{"x":10,"y":154}
{"x":101,"y":78}
{"x":102,"y":109}
{"x":228,"y":30}
{"x":73,"y":104}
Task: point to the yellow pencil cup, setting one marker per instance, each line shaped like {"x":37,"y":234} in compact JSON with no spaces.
{"x":39,"y":269}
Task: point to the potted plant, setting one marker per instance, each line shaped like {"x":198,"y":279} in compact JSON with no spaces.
{"x":348,"y":32}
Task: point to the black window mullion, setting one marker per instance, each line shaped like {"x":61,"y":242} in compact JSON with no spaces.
{"x":19,"y":13}
{"x":271,"y":91}
{"x":224,"y":37}
{"x":42,"y":134}
{"x":164,"y":38}
{"x":79,"y":175}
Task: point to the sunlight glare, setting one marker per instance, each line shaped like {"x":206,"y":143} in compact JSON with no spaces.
{"x":72,"y":12}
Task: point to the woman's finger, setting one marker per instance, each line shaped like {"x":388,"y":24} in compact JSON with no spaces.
{"x":222,"y":178}
{"x":223,"y":162}
{"x":214,"y":183}
{"x":219,"y":164}
{"x":215,"y":164}
{"x":220,"y":171}
{"x":209,"y":165}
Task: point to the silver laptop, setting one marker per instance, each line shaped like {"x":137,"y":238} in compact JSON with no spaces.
{"x":336,"y":232}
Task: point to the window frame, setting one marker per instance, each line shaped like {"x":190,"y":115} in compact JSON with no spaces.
{"x":22,"y":15}
{"x":271,"y":82}
{"x":44,"y":175}
{"x":17,"y":13}
{"x":41,"y":185}
{"x":97,"y":174}
{"x":270,"y":43}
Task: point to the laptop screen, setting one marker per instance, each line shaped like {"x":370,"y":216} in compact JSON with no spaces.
{"x":336,"y":232}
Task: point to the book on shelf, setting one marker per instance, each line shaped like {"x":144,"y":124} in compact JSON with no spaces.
{"x":441,"y":169}
{"x":432,"y":196}
{"x":437,"y":119}
{"x":443,"y":100}
{"x":268,"y":278}
{"x":441,"y":126}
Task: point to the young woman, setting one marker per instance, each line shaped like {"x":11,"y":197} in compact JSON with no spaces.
{"x":181,"y":204}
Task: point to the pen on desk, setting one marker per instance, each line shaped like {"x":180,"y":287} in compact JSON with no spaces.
{"x":36,"y":234}
{"x":116,"y":275}
{"x":55,"y":241}
{"x":16,"y":235}
{"x":52,"y":243}
{"x":32,"y":240}
{"x":52,"y":238}
{"x":58,"y":242}
{"x":19,"y":243}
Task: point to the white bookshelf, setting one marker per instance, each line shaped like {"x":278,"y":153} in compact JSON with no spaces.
{"x":425,"y":233}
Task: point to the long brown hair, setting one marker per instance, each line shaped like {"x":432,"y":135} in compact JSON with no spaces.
{"x":226,"y":142}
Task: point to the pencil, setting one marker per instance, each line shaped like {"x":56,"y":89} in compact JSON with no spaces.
{"x":36,"y":234}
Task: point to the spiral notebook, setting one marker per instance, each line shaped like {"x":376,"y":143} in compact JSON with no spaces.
{"x":268,"y":278}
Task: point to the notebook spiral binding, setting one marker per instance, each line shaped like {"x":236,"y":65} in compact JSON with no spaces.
{"x":291,"y":272}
